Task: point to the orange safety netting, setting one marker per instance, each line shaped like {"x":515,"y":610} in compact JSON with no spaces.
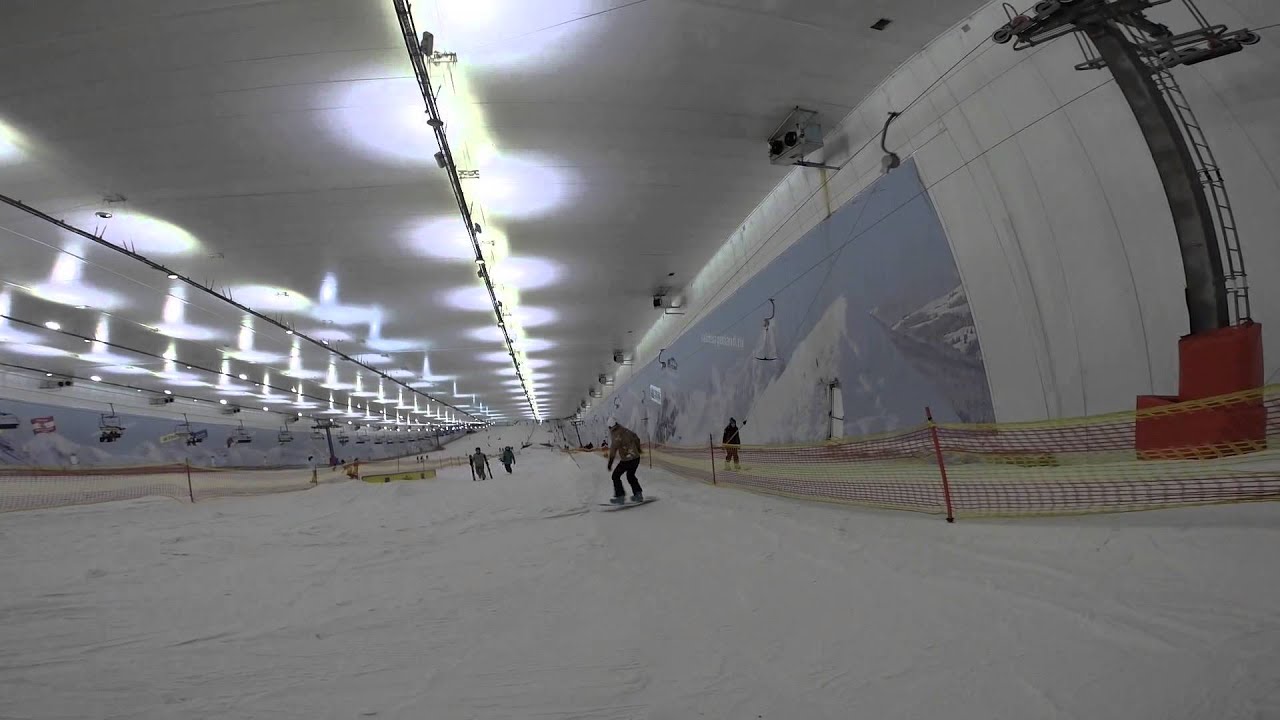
{"x":1151,"y":458}
{"x":27,"y":488}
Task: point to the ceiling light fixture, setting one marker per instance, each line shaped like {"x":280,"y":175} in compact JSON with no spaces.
{"x":173,"y":276}
{"x":96,"y":378}
{"x":53,"y":325}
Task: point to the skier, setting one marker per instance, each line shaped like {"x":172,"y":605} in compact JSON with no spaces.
{"x":625,"y":445}
{"x":731,"y":440}
{"x":479,"y":463}
{"x":508,"y":458}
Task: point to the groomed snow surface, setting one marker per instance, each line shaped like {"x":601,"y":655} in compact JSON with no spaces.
{"x":514,"y":598}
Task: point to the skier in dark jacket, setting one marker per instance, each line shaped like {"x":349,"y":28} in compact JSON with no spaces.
{"x":508,"y":458}
{"x":625,"y":445}
{"x":479,"y":463}
{"x":731,"y":441}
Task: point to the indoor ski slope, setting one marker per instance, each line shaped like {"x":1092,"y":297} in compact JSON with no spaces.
{"x":514,"y":598}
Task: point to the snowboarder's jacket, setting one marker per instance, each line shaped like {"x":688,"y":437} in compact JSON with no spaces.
{"x":731,"y":436}
{"x":508,"y":457}
{"x":624,"y":444}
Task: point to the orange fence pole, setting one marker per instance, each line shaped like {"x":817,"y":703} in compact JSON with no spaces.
{"x":942,"y":466}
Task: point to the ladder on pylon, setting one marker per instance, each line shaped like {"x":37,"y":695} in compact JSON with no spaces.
{"x":1210,"y":174}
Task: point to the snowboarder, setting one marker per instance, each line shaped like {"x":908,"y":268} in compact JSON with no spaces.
{"x":508,"y":458}
{"x":479,"y":463}
{"x":625,"y":445}
{"x":731,"y":440}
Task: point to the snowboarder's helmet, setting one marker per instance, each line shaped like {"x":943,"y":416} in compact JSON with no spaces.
{"x":612,"y":422}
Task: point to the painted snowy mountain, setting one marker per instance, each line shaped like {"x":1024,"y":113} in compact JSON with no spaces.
{"x":51,"y":450}
{"x":940,"y":341}
{"x":793,"y":407}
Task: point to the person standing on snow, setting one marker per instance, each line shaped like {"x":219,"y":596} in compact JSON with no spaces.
{"x":731,"y":441}
{"x":508,"y":458}
{"x":625,"y":445}
{"x":479,"y":463}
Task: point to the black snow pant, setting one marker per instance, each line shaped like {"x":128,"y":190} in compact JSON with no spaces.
{"x":628,"y":467}
{"x":508,"y":467}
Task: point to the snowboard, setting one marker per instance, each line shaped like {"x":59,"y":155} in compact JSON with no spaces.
{"x":610,"y":507}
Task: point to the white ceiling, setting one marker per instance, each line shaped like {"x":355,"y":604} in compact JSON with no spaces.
{"x":284,"y":142}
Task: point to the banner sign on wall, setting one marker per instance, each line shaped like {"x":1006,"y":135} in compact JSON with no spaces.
{"x":655,"y":394}
{"x":43,"y":425}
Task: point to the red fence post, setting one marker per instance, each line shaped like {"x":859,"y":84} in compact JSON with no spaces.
{"x":190,"y":491}
{"x":711,"y":446}
{"x":942,"y":466}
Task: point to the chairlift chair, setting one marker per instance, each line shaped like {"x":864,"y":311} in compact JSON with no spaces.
{"x":343,"y":437}
{"x":241,"y":436}
{"x":109,"y":426}
{"x":362,"y":436}
{"x":767,"y":348}
{"x":184,"y":430}
{"x":284,"y":435}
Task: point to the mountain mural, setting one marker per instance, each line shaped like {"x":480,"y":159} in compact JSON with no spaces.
{"x":36,"y":435}
{"x":870,"y":299}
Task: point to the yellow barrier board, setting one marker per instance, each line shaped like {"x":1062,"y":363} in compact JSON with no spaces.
{"x":393,"y":477}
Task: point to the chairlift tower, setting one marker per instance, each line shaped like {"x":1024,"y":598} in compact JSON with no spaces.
{"x":1140,"y":52}
{"x":1223,"y":352}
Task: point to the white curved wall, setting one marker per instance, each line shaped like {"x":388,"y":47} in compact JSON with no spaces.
{"x":1052,"y":206}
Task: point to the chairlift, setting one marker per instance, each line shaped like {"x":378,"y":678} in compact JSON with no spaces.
{"x":767,"y":349}
{"x":8,"y":421}
{"x":343,"y":437}
{"x":317,"y":434}
{"x":240,"y":436}
{"x":378,"y":439}
{"x":109,"y":426}
{"x":362,"y":436}
{"x":184,"y":431}
{"x":284,"y":435}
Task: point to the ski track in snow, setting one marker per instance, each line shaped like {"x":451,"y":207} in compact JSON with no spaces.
{"x":515,"y":598}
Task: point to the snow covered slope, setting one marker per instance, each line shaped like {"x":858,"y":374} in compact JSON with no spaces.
{"x":515,"y":599}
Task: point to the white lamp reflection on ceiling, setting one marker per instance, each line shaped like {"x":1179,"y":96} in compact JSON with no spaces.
{"x":8,"y":333}
{"x":330,"y":310}
{"x":65,"y":286}
{"x":266,"y":297}
{"x":526,"y":273}
{"x":11,"y":152}
{"x":174,"y":314}
{"x":443,"y":237}
{"x":138,"y":232}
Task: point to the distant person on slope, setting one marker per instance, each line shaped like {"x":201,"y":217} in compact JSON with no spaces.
{"x":508,"y":458}
{"x":479,"y":463}
{"x":731,"y":440}
{"x":625,"y":445}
